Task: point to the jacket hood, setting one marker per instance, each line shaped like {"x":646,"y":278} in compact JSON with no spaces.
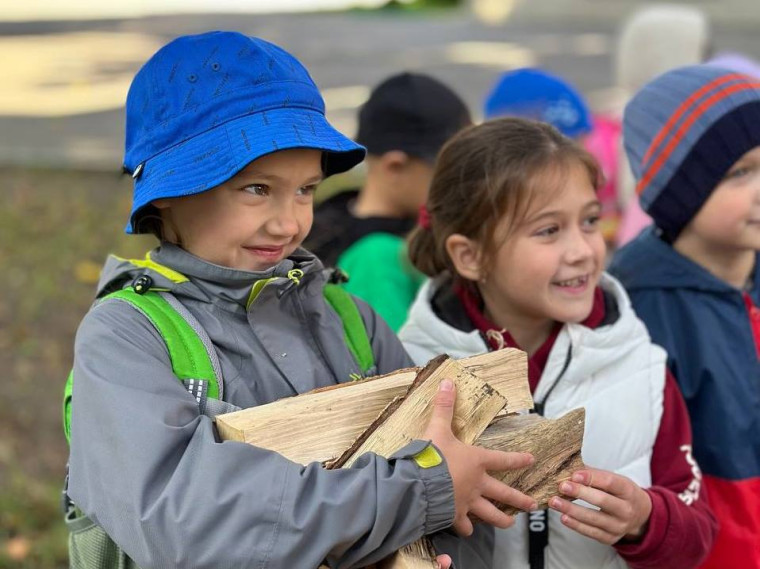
{"x":647,"y":262}
{"x":172,"y":268}
{"x":425,"y":335}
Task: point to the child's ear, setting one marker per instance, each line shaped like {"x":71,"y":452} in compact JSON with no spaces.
{"x":162,"y":203}
{"x":395,"y":160}
{"x":465,"y":255}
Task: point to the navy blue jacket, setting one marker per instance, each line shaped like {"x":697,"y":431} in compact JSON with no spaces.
{"x":704,"y":324}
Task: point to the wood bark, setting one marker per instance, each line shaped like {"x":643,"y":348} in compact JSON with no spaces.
{"x":338,"y":424}
{"x":322,"y":424}
{"x":555,"y":443}
{"x":476,"y":405}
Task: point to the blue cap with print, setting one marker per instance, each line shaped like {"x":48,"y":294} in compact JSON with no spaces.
{"x":205,"y":106}
{"x":538,"y":95}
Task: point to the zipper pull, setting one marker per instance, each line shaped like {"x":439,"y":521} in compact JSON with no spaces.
{"x":295,"y":276}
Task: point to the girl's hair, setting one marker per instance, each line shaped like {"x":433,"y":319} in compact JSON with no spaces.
{"x":486,"y":174}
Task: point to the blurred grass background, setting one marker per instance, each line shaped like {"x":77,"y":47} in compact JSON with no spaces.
{"x":56,"y":228}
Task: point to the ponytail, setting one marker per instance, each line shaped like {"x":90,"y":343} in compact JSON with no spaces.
{"x":423,"y":252}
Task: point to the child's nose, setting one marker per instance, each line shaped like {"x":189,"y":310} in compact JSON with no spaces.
{"x":283,"y":222}
{"x":579,"y":248}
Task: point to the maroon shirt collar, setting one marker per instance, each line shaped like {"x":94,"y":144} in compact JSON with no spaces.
{"x":498,"y":338}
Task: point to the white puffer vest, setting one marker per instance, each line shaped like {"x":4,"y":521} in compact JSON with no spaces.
{"x":614,"y":371}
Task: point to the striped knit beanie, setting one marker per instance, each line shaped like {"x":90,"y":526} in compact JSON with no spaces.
{"x":682,"y":132}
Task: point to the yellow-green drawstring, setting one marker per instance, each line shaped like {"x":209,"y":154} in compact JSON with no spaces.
{"x":295,"y":275}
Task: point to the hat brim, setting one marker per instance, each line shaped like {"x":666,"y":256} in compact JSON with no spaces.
{"x":214,"y":156}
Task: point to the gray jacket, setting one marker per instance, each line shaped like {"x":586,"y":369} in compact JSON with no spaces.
{"x":147,"y":467}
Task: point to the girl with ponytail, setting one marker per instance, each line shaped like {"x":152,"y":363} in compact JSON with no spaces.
{"x":510,"y":240}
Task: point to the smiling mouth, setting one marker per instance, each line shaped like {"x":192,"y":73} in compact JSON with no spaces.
{"x":573,"y":283}
{"x":267,"y":251}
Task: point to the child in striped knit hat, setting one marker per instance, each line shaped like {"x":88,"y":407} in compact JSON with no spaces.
{"x":692,"y":136}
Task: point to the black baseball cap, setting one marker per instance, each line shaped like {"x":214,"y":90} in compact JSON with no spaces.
{"x":413,"y":113}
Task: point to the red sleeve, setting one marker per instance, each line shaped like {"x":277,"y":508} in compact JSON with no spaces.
{"x":682,"y":527}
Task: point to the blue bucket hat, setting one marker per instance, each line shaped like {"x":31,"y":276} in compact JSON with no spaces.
{"x":538,"y":95}
{"x":205,"y":106}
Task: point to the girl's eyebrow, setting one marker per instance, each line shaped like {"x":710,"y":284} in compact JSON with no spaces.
{"x":545,"y":214}
{"x":557,"y":212}
{"x":593,"y":203}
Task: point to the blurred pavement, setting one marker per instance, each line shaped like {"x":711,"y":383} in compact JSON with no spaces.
{"x":65,"y":81}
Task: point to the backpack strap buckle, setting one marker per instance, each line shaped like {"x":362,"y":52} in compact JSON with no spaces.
{"x":66,"y":503}
{"x":142,"y":284}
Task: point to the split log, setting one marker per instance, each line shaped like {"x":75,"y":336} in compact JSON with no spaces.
{"x":417,"y":555}
{"x":556,"y":446}
{"x":555,"y":443}
{"x":405,"y":420}
{"x":322,"y":424}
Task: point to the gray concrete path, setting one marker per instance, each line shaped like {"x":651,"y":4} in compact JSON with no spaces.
{"x":64,"y":83}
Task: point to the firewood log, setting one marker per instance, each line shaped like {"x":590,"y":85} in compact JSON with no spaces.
{"x":336,"y":425}
{"x":320,"y":425}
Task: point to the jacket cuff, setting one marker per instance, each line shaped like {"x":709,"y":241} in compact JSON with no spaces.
{"x":654,"y":537}
{"x":437,"y":483}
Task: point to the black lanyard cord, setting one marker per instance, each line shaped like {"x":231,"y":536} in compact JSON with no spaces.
{"x":538,"y":521}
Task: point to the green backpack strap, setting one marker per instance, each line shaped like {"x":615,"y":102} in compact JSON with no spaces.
{"x":354,"y":331}
{"x":196,"y":365}
{"x":192,"y":357}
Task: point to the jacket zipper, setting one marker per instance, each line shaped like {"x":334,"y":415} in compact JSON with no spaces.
{"x":317,"y":343}
{"x":295,"y":276}
{"x":538,"y":540}
{"x":540,"y":406}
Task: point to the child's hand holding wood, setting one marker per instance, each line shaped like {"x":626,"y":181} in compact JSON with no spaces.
{"x":469,"y":466}
{"x":624,"y":508}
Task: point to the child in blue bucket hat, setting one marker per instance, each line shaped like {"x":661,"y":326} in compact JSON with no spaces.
{"x":226,"y":139}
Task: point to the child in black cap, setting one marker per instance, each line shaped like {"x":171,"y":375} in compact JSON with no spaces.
{"x":403,"y":125}
{"x":226,"y":140}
